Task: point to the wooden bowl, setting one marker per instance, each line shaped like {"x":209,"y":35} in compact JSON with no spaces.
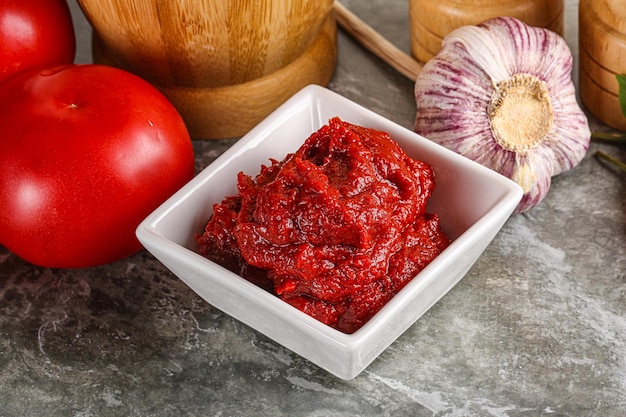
{"x":224,"y":64}
{"x":431,"y":21}
{"x":602,"y":43}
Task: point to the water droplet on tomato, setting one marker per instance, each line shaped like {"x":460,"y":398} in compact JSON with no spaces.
{"x":54,"y":70}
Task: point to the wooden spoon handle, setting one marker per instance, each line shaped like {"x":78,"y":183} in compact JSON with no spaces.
{"x":375,"y":43}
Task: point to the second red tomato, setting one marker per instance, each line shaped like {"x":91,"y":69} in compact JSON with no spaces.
{"x":34,"y":33}
{"x":86,"y":153}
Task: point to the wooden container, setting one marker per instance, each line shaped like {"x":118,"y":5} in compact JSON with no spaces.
{"x":602,"y":43}
{"x":224,"y":64}
{"x":431,"y":21}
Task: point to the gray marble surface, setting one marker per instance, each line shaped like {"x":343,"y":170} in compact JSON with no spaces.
{"x":536,"y":328}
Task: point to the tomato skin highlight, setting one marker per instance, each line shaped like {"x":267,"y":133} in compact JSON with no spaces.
{"x":86,"y":153}
{"x":33,"y":34}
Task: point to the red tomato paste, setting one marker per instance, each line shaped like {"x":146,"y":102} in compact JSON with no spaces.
{"x":335,"y":229}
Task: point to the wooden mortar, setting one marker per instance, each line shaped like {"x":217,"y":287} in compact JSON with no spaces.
{"x":602,"y":44}
{"x":431,"y":21}
{"x":224,"y":64}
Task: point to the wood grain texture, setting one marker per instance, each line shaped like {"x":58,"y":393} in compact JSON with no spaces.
{"x":602,"y":32}
{"x":231,"y":111}
{"x":601,"y":75}
{"x":235,"y":53}
{"x":601,"y":103}
{"x":431,"y":20}
{"x":602,"y":50}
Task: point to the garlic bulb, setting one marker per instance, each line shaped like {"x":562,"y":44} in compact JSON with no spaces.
{"x":501,"y":93}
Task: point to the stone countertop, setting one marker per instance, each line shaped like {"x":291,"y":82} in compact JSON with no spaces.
{"x":536,"y":328}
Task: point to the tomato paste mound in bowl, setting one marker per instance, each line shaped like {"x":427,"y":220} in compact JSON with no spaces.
{"x":472,"y":201}
{"x":335,"y":229}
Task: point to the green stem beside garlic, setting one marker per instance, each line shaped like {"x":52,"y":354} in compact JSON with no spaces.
{"x":501,"y":94}
{"x":621,"y":82}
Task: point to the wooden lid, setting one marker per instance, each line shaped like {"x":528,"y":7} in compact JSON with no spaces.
{"x":443,"y":16}
{"x":431,"y":20}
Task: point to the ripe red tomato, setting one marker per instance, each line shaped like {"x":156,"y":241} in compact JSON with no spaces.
{"x":34,"y":33}
{"x":86,"y":153}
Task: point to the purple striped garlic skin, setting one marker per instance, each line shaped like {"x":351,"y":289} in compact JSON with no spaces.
{"x":501,"y":94}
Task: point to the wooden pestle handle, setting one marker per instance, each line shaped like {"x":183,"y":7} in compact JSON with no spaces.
{"x":375,"y":43}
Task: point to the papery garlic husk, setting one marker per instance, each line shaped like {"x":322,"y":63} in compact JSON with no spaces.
{"x":501,"y":94}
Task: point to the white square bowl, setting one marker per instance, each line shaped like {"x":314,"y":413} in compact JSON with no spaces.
{"x":472,"y":201}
